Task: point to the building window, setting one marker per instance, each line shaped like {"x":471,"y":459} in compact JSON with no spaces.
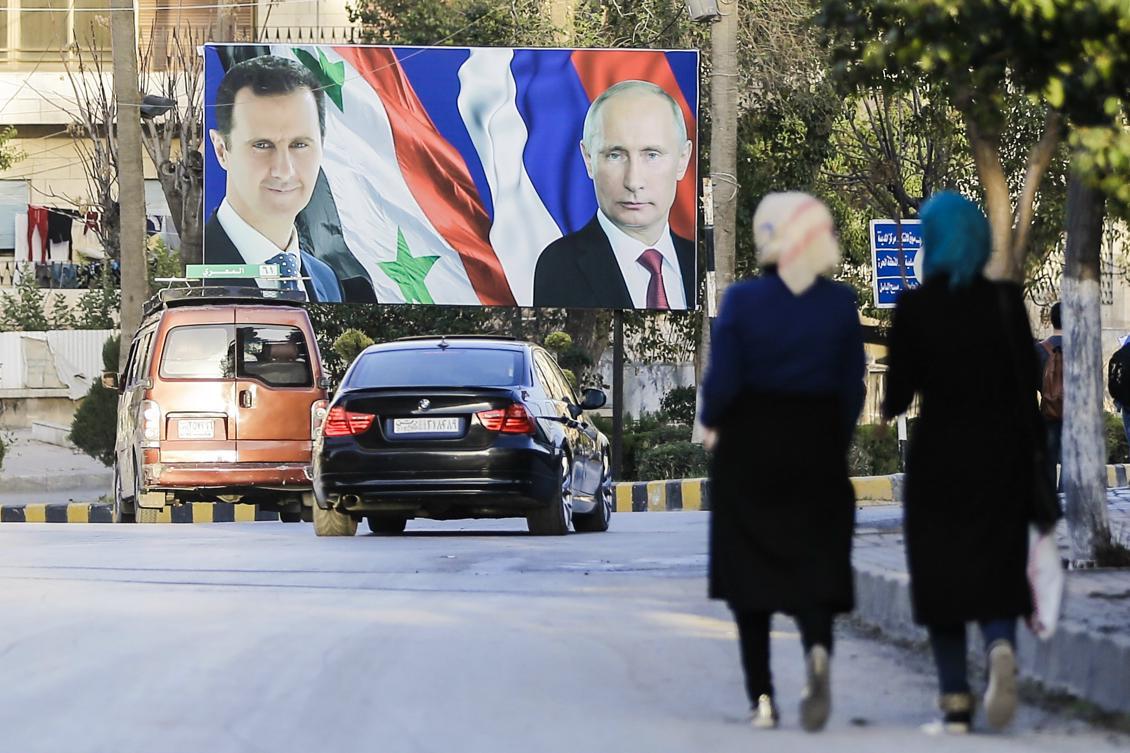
{"x":38,"y":28}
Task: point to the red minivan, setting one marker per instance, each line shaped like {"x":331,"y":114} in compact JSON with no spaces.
{"x":222,"y":394}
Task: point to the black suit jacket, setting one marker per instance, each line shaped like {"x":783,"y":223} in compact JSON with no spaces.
{"x":322,"y":286}
{"x":579,"y":270}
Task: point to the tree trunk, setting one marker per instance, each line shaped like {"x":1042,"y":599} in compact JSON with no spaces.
{"x":131,"y":185}
{"x":1084,"y":451}
{"x":589,"y":329}
{"x":561,"y":14}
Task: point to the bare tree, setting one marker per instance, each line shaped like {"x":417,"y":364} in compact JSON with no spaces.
{"x":173,"y":137}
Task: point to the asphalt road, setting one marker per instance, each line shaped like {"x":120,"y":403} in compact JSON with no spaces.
{"x":457,"y":638}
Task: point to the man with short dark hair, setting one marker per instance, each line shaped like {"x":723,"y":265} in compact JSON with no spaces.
{"x":636,"y":150}
{"x":1050,"y":353}
{"x":270,"y":123}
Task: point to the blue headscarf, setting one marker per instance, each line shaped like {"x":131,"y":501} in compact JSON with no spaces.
{"x":955,"y":239}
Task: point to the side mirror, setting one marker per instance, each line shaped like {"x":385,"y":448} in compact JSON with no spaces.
{"x":324,"y":383}
{"x":110,"y":381}
{"x":593,"y":399}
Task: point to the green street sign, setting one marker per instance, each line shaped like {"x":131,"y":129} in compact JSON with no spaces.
{"x":231,"y":271}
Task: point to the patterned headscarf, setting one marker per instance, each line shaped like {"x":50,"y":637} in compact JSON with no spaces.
{"x":795,"y":232}
{"x":955,"y":239}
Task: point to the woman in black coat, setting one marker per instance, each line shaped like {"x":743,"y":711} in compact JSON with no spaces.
{"x":781,"y":396}
{"x":964,"y":345}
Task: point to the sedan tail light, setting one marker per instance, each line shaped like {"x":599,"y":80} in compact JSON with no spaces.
{"x":341,"y":422}
{"x":513,"y":420}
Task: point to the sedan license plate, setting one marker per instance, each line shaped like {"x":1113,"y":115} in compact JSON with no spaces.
{"x":204,"y":429}
{"x":437,"y":425}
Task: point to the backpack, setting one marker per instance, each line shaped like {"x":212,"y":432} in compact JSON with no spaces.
{"x":1051,"y":386}
{"x":1118,"y":375}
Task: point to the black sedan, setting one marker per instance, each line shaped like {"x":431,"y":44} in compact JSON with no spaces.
{"x":460,"y":427}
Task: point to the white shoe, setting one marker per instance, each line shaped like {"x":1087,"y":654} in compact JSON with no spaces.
{"x":765,"y":714}
{"x":1001,"y":695}
{"x":816,"y":703}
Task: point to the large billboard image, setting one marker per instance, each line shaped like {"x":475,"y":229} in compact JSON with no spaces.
{"x":461,"y":176}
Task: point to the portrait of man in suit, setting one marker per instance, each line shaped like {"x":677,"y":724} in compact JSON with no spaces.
{"x":270,"y":125}
{"x":636,"y":150}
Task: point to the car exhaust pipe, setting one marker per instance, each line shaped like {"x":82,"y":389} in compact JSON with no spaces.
{"x":349,"y":500}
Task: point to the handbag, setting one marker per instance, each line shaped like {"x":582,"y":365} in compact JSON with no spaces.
{"x":1046,"y":580}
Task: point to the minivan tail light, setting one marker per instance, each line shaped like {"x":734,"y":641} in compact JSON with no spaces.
{"x":150,"y":423}
{"x":317,"y":416}
{"x":342,"y":423}
{"x":513,"y":420}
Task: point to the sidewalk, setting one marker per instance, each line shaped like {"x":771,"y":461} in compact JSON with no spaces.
{"x":1088,"y":657}
{"x":36,"y":472}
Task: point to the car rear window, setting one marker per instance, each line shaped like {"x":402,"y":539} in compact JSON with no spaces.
{"x":198,"y":352}
{"x":438,"y":367}
{"x":276,"y":355}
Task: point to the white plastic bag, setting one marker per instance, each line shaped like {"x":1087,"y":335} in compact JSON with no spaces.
{"x":1045,"y":579}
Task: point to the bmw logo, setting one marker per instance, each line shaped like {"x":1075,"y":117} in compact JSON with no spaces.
{"x":425,"y":403}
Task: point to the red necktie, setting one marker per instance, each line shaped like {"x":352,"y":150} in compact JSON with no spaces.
{"x":652,"y":261}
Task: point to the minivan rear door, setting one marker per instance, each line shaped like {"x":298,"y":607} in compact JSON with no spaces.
{"x":275,"y":389}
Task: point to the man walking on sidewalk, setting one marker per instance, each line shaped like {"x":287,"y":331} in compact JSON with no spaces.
{"x":1050,"y":353}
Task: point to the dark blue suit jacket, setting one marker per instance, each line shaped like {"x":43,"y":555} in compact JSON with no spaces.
{"x":322,"y":287}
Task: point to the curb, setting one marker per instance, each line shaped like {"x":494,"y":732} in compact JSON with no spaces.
{"x":694,"y":493}
{"x":1075,"y":660}
{"x":197,"y":512}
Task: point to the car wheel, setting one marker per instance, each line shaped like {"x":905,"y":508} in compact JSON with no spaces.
{"x":386,"y":523}
{"x":597,"y":521}
{"x":119,"y":513}
{"x":556,"y":519}
{"x":147,"y":515}
{"x":290,"y":517}
{"x":333,"y":523}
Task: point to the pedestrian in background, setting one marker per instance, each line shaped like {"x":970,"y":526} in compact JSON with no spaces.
{"x":780,"y":398}
{"x":1050,"y":353}
{"x":964,"y":344}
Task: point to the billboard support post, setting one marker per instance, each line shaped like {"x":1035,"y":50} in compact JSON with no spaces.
{"x":617,"y":393}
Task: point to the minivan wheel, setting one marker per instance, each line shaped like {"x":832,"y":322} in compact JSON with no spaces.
{"x":333,"y":523}
{"x":597,"y":521}
{"x":390,"y":524}
{"x":119,"y":513}
{"x":556,"y":519}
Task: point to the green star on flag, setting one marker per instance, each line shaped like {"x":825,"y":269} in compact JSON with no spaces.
{"x":409,"y":271}
{"x":331,"y":76}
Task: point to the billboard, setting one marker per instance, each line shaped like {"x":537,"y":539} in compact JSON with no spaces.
{"x":895,"y":257}
{"x":460,"y":176}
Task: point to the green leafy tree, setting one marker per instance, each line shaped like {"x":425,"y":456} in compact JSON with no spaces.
{"x":23,"y":310}
{"x":8,"y":155}
{"x":1071,"y":58}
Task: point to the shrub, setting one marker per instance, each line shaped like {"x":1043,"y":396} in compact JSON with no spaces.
{"x":350,"y":343}
{"x":679,"y":405}
{"x":96,"y":420}
{"x":672,"y":460}
{"x":874,"y":451}
{"x":640,"y":435}
{"x":557,"y":342}
{"x":1117,"y":450}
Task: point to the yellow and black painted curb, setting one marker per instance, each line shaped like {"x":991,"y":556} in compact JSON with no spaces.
{"x":630,"y":496}
{"x":75,"y":512}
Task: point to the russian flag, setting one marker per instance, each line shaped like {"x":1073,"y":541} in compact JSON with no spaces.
{"x":468,"y":158}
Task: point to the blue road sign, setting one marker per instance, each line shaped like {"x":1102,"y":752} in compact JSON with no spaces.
{"x":894,"y":259}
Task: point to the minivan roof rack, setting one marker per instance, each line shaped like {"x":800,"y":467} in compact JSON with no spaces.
{"x":211,"y":294}
{"x":456,"y":337}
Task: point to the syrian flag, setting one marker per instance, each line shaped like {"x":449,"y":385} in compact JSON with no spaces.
{"x":452,"y":168}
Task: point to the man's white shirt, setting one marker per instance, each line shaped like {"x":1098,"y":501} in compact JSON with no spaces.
{"x":627,"y":251}
{"x":253,"y":246}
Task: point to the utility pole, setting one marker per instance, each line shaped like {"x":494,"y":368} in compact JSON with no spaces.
{"x":131,"y":178}
{"x":723,"y":167}
{"x":1084,"y":456}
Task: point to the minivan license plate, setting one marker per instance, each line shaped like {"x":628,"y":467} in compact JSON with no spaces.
{"x":435,"y":425}
{"x":196,"y":429}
